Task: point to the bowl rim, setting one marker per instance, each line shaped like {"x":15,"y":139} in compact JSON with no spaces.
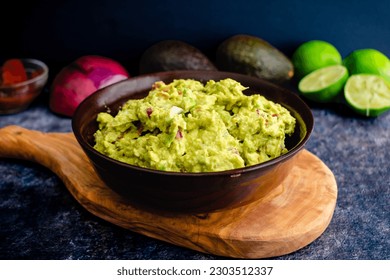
{"x":309,"y":123}
{"x":29,"y":81}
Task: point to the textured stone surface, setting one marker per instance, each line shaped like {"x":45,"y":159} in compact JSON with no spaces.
{"x":39,"y":219}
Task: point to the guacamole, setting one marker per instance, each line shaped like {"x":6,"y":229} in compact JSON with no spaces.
{"x":185,"y":126}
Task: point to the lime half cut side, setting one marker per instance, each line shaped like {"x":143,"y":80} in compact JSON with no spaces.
{"x":367,"y":94}
{"x":324,"y":84}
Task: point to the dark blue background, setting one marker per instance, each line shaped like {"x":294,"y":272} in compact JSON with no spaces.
{"x":60,"y":31}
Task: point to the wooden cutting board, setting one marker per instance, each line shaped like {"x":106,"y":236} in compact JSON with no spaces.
{"x":288,"y":218}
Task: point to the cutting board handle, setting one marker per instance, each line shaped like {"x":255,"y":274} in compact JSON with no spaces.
{"x":59,"y":152}
{"x":48,"y":149}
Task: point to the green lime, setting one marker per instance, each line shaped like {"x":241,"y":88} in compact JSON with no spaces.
{"x":313,"y":55}
{"x":324,"y":84}
{"x":368,"y":61}
{"x":367,"y":94}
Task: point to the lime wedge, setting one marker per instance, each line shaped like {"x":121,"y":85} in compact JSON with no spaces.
{"x":367,"y":94}
{"x":324,"y":84}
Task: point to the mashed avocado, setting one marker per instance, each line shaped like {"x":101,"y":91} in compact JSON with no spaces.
{"x":186,"y":126}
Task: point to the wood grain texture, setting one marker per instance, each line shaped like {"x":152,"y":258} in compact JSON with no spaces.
{"x":290,"y":217}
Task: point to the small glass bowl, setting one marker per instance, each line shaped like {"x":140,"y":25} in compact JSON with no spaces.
{"x":17,"y":97}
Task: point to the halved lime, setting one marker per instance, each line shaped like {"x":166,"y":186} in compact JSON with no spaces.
{"x":313,"y":55}
{"x":324,"y":84}
{"x":367,"y":94}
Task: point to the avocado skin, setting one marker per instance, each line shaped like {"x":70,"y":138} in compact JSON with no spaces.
{"x":253,"y":56}
{"x":169,"y":55}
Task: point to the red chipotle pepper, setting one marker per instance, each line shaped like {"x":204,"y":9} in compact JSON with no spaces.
{"x":13,"y":72}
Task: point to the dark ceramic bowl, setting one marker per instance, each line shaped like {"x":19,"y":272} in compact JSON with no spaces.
{"x":189,"y":192}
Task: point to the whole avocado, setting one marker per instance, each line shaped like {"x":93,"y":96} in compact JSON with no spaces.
{"x":253,"y":56}
{"x":169,"y":55}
